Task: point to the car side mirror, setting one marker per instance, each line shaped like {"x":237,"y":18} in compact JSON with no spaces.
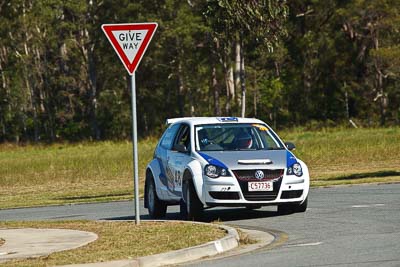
{"x":290,"y":146}
{"x":180,"y":148}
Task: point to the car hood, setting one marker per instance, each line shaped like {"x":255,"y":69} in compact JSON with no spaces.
{"x":262,"y":159}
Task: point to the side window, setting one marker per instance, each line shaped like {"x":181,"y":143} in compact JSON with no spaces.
{"x":183,"y":137}
{"x":168,"y":137}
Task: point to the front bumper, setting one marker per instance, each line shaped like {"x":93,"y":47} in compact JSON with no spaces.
{"x":229,"y":191}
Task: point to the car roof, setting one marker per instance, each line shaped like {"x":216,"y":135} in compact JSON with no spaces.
{"x":213,"y":120}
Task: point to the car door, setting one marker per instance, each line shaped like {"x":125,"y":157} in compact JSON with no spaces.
{"x":179,"y":157}
{"x":161,"y":154}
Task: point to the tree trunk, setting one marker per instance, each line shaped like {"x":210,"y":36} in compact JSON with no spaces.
{"x":214,"y":79}
{"x":181,"y":90}
{"x":237,"y":71}
{"x":230,"y":89}
{"x":191,"y":101}
{"x":214,"y":86}
{"x":87,"y":46}
{"x":242,"y":78}
{"x":383,"y":101}
{"x":4,"y":89}
{"x":255,"y":100}
{"x":28,"y":80}
{"x":93,"y":91}
{"x":255,"y":95}
{"x":32,"y":98}
{"x":346,"y":102}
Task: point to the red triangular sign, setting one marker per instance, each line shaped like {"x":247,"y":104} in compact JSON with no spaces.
{"x":130,"y":41}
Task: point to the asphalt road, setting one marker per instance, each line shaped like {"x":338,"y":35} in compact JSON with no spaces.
{"x":344,"y":226}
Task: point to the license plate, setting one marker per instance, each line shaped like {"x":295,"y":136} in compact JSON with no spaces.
{"x":260,"y":186}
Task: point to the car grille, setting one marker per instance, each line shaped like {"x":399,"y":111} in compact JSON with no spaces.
{"x":245,"y":176}
{"x":249,"y":175}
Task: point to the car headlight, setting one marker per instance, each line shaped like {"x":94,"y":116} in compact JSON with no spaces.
{"x":213,"y":171}
{"x":295,"y":169}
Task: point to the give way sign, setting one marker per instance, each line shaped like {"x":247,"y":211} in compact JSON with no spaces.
{"x":130,"y":41}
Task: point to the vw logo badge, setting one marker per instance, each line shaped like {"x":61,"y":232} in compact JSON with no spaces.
{"x":259,"y":174}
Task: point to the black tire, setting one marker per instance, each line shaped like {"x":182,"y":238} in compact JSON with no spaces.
{"x":285,"y":209}
{"x":301,"y":207}
{"x":191,"y":207}
{"x":293,"y":208}
{"x":157,"y":208}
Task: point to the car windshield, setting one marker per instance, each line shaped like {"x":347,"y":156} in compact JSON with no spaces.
{"x":230,"y":137}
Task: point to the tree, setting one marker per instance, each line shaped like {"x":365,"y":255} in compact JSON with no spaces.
{"x":244,"y":20}
{"x":373,"y":27}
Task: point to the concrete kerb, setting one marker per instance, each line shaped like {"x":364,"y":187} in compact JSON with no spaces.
{"x":212,"y":248}
{"x":228,"y":242}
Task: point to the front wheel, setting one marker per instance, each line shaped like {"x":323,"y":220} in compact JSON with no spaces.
{"x":293,"y":208}
{"x":301,"y":207}
{"x":191,"y":206}
{"x":157,"y":208}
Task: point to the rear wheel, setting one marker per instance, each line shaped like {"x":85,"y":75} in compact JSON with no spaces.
{"x":157,"y":208}
{"x":191,"y":206}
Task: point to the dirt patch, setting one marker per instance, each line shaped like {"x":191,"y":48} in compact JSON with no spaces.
{"x":244,"y":239}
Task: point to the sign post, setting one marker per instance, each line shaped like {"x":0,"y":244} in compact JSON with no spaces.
{"x":135,"y":150}
{"x":130,"y":41}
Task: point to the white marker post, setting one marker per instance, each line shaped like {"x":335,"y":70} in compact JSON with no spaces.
{"x":130,"y":41}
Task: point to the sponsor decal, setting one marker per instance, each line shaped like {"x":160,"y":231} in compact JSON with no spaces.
{"x":227,"y":119}
{"x":212,"y":160}
{"x":260,"y":127}
{"x":290,"y":159}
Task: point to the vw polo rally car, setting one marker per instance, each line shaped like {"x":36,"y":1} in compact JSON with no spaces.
{"x":210,"y":161}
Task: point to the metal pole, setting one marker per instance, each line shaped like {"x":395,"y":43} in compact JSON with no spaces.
{"x":135,"y":152}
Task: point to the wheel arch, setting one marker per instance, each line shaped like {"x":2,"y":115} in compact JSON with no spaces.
{"x":194,"y":171}
{"x":149,"y":175}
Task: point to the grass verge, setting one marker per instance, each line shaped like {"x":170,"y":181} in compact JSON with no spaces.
{"x":342,"y":154}
{"x":102,"y":171}
{"x":69,"y":173}
{"x":119,"y":240}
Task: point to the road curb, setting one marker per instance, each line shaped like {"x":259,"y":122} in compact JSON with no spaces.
{"x":212,"y":248}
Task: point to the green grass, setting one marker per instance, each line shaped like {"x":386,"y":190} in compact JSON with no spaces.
{"x":119,"y":240}
{"x":60,"y":173}
{"x":342,"y":154}
{"x":102,"y":171}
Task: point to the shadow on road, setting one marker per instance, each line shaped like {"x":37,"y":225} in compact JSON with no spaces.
{"x":377,"y":174}
{"x":211,"y":215}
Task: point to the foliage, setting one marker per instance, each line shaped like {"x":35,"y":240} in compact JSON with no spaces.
{"x":297,"y":62}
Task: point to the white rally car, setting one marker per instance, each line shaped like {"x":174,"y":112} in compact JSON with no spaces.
{"x":228,"y":161}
